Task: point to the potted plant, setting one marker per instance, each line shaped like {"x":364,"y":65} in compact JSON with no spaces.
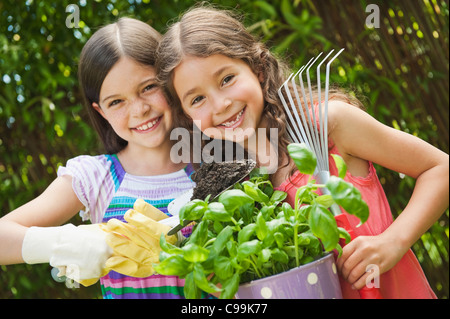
{"x":250,"y":235}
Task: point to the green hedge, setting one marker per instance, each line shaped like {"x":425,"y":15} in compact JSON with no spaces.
{"x":400,"y":70}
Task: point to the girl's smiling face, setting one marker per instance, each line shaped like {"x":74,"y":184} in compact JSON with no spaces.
{"x":134,"y":105}
{"x":221,"y":95}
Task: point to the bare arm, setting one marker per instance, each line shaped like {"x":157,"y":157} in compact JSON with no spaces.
{"x":359,"y":138}
{"x":362,"y":137}
{"x":55,"y":206}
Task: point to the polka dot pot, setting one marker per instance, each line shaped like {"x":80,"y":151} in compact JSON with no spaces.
{"x":316,"y":280}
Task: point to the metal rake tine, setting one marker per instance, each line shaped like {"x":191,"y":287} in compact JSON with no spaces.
{"x":320,"y":159}
{"x":322,"y":122}
{"x":303,"y":126}
{"x":327,"y":83}
{"x":301,"y":133}
{"x":311,"y":121}
{"x":308,"y":128}
{"x":294,"y":137}
{"x":325,"y":175}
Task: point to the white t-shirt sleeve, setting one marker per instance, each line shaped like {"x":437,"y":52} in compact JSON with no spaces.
{"x":92,"y":183}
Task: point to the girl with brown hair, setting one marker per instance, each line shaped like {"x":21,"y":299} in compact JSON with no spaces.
{"x":133,"y":119}
{"x":220,"y":78}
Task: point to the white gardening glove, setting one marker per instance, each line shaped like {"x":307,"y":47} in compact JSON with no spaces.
{"x":79,"y":253}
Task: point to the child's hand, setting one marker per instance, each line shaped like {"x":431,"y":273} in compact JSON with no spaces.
{"x":136,"y":243}
{"x":79,"y":252}
{"x":364,"y":252}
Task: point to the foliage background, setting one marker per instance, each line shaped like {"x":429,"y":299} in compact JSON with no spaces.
{"x":400,"y":70}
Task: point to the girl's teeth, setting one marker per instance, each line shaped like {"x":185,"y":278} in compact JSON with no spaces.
{"x":228,"y":124}
{"x":147,"y":126}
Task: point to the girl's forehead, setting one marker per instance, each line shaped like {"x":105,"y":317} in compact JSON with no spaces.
{"x":214,"y":63}
{"x":126,"y":74}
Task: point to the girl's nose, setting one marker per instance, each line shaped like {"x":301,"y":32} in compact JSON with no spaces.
{"x":221,"y":104}
{"x":139,"y":107}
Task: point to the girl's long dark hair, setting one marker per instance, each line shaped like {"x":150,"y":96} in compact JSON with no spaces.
{"x":204,"y":31}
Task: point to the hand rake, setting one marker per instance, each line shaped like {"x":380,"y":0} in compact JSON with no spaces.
{"x":308,"y":124}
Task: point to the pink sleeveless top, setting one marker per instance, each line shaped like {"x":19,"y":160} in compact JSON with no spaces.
{"x":406,"y":279}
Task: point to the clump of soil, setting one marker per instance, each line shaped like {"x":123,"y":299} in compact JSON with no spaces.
{"x":213,"y":178}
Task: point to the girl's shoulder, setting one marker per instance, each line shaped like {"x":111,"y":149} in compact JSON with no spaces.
{"x":91,"y":182}
{"x":87,"y":166}
{"x":339,"y":110}
{"x":92,"y":161}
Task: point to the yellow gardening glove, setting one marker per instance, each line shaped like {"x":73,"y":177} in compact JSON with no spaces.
{"x":136,"y":243}
{"x":148,"y":210}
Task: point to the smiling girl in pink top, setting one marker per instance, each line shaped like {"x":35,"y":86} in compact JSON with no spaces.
{"x":218,"y":76}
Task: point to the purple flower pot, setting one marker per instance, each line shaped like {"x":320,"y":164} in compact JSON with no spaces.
{"x":316,"y":280}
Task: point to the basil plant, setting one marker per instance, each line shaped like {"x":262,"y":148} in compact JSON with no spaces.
{"x":249,"y":232}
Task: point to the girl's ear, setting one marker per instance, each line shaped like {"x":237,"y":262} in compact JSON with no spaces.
{"x":261,"y":77}
{"x":98,"y":109}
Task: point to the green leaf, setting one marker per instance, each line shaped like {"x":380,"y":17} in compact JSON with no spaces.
{"x":305,"y":195}
{"x":217,"y":226}
{"x":246,"y":212}
{"x":254,"y":192}
{"x":348,"y":197}
{"x":304,"y":239}
{"x":279,"y":239}
{"x":200,"y":234}
{"x":167,"y":247}
{"x":279,"y":255}
{"x":246,"y":232}
{"x":340,"y":164}
{"x":339,"y":250}
{"x":267,"y":212}
{"x":230,"y":287}
{"x":202,"y":282}
{"x":223,"y":267}
{"x":261,"y":227}
{"x":287,"y":210}
{"x":266,"y":7}
{"x":191,"y":290}
{"x":234,"y":198}
{"x":303,"y":157}
{"x":323,"y":225}
{"x":325,"y":200}
{"x":268,"y":240}
{"x":287,"y":11}
{"x":344,"y":234}
{"x":222,"y":239}
{"x":193,"y":210}
{"x":195,"y":253}
{"x":231,"y":248}
{"x":274,"y":224}
{"x":173,"y":266}
{"x":264,"y":255}
{"x":277,"y":197}
{"x":216,"y":211}
{"x":248,"y":248}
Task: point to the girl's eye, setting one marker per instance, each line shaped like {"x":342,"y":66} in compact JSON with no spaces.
{"x":196,"y":100}
{"x":149,"y":87}
{"x":114,"y":102}
{"x":227,"y":79}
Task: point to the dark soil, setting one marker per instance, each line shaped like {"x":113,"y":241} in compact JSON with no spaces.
{"x":213,"y":178}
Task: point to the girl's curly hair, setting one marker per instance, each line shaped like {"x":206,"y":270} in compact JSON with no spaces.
{"x":204,"y":31}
